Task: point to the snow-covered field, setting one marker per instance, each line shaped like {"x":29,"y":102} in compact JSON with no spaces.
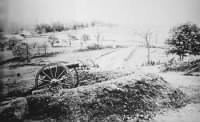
{"x":131,"y":57}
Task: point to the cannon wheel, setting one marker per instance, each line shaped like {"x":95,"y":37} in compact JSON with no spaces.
{"x":74,"y":73}
{"x":55,"y":76}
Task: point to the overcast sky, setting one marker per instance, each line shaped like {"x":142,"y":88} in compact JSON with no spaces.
{"x":147,"y":13}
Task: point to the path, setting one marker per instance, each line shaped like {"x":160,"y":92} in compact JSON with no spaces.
{"x":126,"y":58}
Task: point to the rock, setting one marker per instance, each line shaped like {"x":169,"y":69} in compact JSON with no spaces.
{"x":16,"y":109}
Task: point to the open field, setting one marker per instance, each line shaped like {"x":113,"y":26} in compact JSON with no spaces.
{"x":119,"y":69}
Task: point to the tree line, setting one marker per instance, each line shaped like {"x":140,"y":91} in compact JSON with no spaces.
{"x":43,"y":28}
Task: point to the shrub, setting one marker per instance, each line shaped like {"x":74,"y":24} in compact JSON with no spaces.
{"x":12,"y":42}
{"x":94,"y":47}
{"x":22,"y":50}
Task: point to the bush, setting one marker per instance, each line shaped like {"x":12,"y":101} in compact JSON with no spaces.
{"x":22,"y":50}
{"x":94,"y":47}
{"x":12,"y":42}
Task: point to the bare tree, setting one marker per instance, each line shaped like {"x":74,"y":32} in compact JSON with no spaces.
{"x":70,"y":42}
{"x":147,"y":37}
{"x":45,"y":46}
{"x":84,"y":39}
{"x":156,"y":38}
{"x":98,"y":38}
{"x":98,"y":35}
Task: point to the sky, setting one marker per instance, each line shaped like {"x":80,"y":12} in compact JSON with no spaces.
{"x":136,"y":13}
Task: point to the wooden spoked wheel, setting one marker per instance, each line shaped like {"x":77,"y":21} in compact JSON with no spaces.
{"x":54,"y":76}
{"x":73,"y":70}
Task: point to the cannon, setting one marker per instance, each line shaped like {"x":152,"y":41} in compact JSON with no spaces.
{"x":61,"y":75}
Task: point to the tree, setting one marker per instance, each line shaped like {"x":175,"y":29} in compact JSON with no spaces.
{"x":45,"y":46}
{"x":184,"y":39}
{"x":147,"y":37}
{"x":52,"y":39}
{"x":98,"y":37}
{"x":12,"y":42}
{"x":84,"y":39}
{"x":22,"y":50}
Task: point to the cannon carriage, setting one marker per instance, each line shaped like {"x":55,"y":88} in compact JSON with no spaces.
{"x":61,"y":75}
